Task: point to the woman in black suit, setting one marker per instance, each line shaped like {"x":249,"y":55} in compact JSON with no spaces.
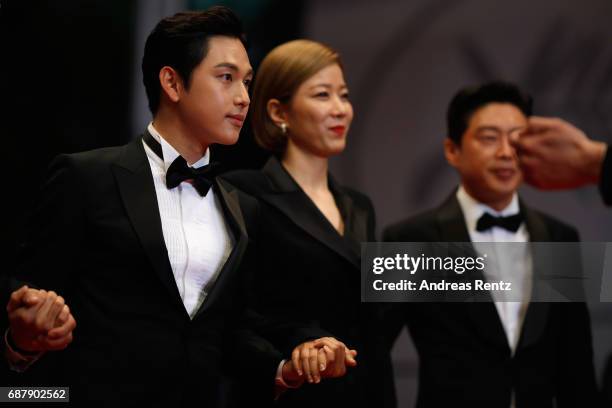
{"x":312,"y":227}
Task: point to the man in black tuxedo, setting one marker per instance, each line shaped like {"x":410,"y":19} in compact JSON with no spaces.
{"x":151,"y":250}
{"x":495,"y":354}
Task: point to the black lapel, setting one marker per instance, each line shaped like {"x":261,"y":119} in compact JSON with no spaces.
{"x":485,"y":318}
{"x":228,"y":196}
{"x":288,"y":197}
{"x":355,"y":218}
{"x":537,"y":312}
{"x":137,"y":190}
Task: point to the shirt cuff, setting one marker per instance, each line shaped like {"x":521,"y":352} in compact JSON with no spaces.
{"x":280,"y":381}
{"x":280,"y":385}
{"x":17,"y":361}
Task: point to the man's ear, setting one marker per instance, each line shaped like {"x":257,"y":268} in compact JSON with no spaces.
{"x":277,"y":112}
{"x":171,"y":83}
{"x":452,"y":152}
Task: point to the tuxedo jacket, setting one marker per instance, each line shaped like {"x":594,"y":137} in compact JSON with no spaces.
{"x":310,"y":273}
{"x":96,"y":239}
{"x":465,"y":359}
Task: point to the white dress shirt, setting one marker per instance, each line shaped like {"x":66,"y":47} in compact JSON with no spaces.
{"x":196,"y":235}
{"x":510,"y":263}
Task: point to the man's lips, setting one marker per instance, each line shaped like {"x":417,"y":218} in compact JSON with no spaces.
{"x":339,"y":130}
{"x":236,"y":120}
{"x":504,"y":174}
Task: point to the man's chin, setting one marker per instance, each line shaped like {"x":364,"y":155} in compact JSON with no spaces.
{"x":228,"y":140}
{"x":502,"y":193}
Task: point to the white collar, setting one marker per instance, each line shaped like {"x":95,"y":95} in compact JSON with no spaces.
{"x":473,"y":209}
{"x":170,"y":152}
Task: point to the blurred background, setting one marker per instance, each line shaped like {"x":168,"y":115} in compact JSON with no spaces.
{"x":71,"y":81}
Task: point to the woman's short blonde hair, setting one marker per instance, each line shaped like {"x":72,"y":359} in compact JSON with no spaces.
{"x":279,"y":76}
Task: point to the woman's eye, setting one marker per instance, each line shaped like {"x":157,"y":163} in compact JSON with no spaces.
{"x":247,"y":83}
{"x":345,"y":96}
{"x":322,"y":95}
{"x":226,"y":77}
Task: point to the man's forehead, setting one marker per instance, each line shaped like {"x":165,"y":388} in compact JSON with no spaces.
{"x":495,"y":114}
{"x":227,"y":51}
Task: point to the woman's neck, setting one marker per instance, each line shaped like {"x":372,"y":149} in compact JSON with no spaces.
{"x":309,"y":171}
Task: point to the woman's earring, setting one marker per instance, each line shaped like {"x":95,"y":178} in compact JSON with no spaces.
{"x":283,"y":127}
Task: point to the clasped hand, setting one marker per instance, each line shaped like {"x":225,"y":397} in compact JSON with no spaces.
{"x":311,"y":361}
{"x":39,"y":320}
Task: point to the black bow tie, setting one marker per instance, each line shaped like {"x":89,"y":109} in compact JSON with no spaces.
{"x":511,"y":223}
{"x":202,"y":177}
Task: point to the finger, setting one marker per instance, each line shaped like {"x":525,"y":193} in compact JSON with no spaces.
{"x":306,"y":364}
{"x":41,"y":320}
{"x":335,"y":353}
{"x":539,"y":146}
{"x":540,"y":123}
{"x":313,"y":361}
{"x":339,"y":363}
{"x":33,"y":297}
{"x":64,"y":329}
{"x":15,"y":299}
{"x":330,"y":356}
{"x":297,"y":363}
{"x":529,"y":160}
{"x":328,"y":341}
{"x":55,"y":310}
{"x":514,"y":140}
{"x":325,"y":340}
{"x":57,"y":344}
{"x":350,"y":357}
{"x":63,"y":316}
{"x":321,"y":355}
{"x":335,"y":359}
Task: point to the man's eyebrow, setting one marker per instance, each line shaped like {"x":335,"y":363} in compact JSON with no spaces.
{"x":488,"y":127}
{"x":496,"y":129}
{"x":233,"y":67}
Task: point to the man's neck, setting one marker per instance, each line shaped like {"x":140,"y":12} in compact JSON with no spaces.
{"x":175,"y":133}
{"x":498,"y":203}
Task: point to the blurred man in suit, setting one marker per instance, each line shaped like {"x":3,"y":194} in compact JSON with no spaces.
{"x":496,"y":354}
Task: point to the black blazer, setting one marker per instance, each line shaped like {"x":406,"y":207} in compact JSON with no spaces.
{"x":465,"y":360}
{"x":311,"y":274}
{"x":97,"y":240}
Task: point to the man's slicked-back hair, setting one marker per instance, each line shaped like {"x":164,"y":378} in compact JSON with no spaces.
{"x":181,"y":42}
{"x":468,"y":100}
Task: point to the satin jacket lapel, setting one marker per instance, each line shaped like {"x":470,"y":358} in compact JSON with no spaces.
{"x":484,"y":315}
{"x":135,"y":183}
{"x":289,"y":198}
{"x":228,"y":197}
{"x":355,"y":218}
{"x":537,"y":312}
